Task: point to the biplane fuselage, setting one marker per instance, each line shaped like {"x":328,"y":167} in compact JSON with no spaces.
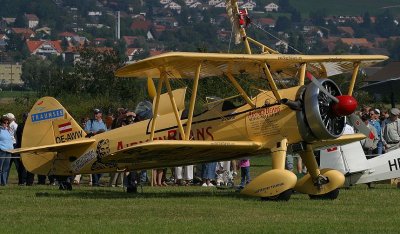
{"x":266,"y":125}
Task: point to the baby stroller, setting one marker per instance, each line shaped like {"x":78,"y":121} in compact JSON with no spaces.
{"x":224,"y":174}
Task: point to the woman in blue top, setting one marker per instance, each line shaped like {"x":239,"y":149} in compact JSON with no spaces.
{"x":6,"y":143}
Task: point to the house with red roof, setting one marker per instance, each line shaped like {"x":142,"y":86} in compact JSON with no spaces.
{"x":31,"y":20}
{"x":267,"y":22}
{"x":129,"y":40}
{"x":25,"y":33}
{"x":358,"y":42}
{"x":154,"y":52}
{"x":131,"y":52}
{"x":99,"y":41}
{"x":346,"y":30}
{"x":44,"y":48}
{"x":143,"y":25}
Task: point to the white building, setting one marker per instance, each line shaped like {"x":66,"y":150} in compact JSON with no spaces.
{"x":174,"y":6}
{"x":213,"y":2}
{"x":271,"y":7}
{"x":164,"y":2}
{"x":249,"y":5}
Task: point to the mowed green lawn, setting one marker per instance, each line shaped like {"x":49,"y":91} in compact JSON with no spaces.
{"x":193,"y":209}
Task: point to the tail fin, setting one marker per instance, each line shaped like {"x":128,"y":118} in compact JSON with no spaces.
{"x":349,"y":158}
{"x":48,"y":123}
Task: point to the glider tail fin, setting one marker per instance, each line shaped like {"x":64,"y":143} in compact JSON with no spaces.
{"x":48,"y":123}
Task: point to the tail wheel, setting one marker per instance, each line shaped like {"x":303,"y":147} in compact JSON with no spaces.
{"x":284,"y":196}
{"x":64,"y":185}
{"x":332,"y":195}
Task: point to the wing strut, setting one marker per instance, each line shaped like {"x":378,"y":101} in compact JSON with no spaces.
{"x":192,"y":102}
{"x":353,"y":78}
{"x":164,"y":78}
{"x":303,"y":69}
{"x":271,"y":82}
{"x":240,"y":89}
{"x":159,"y":86}
{"x":171,"y":97}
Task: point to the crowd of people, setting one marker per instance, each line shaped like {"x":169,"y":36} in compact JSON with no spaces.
{"x":383,"y":124}
{"x":385,"y":128}
{"x":207,"y":175}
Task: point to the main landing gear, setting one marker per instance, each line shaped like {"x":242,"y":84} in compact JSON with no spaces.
{"x":332,"y":195}
{"x":284,"y":196}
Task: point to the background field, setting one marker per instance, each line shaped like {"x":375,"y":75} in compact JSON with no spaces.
{"x":346,"y":7}
{"x":194,"y":209}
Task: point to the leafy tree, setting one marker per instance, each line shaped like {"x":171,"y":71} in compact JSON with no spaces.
{"x":385,"y":25}
{"x":20,"y":21}
{"x":366,"y":20}
{"x":295,"y":16}
{"x":341,"y":48}
{"x":35,"y":72}
{"x":318,"y":17}
{"x":284,"y":5}
{"x":282,"y":24}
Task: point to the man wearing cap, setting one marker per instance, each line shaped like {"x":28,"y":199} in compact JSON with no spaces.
{"x":374,"y":121}
{"x":369,"y":144}
{"x":391,"y":131}
{"x":13,"y":126}
{"x":96,"y":125}
{"x":93,"y":127}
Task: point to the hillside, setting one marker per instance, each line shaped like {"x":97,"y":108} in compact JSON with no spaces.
{"x":347,"y":7}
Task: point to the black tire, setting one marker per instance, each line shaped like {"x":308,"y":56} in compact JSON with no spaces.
{"x":332,"y":195}
{"x":131,"y":189}
{"x":284,"y":196}
{"x":65,"y":186}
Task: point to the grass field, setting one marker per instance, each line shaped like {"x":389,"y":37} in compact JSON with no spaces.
{"x":194,"y":209}
{"x":347,"y":7}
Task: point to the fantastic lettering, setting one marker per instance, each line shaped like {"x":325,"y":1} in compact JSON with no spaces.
{"x":196,"y":134}
{"x":264,"y":113}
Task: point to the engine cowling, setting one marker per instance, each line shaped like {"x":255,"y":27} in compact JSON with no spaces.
{"x":318,"y":119}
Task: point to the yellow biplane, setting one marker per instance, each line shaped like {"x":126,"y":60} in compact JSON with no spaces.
{"x":301,"y":118}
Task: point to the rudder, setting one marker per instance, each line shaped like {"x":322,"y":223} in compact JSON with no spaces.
{"x":48,"y":123}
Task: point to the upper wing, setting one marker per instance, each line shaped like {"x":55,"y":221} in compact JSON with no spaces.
{"x":53,"y":147}
{"x":177,"y":153}
{"x":344,"y":139}
{"x":184,"y":64}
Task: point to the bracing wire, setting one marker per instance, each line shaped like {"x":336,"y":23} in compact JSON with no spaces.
{"x":273,"y":36}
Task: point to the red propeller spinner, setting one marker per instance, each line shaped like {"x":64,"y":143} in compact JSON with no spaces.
{"x":346,"y":105}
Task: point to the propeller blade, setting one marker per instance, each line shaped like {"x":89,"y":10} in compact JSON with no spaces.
{"x":358,"y":124}
{"x":318,"y":84}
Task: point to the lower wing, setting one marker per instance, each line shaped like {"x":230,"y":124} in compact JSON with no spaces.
{"x":167,"y":153}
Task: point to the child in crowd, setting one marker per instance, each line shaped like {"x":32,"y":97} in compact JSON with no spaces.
{"x":244,"y":165}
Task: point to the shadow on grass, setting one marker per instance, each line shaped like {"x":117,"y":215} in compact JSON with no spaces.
{"x":158,"y":194}
{"x":114,"y":194}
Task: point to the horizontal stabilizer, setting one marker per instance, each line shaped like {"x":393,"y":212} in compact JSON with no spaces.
{"x":344,"y":139}
{"x":179,"y":152}
{"x":53,"y":147}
